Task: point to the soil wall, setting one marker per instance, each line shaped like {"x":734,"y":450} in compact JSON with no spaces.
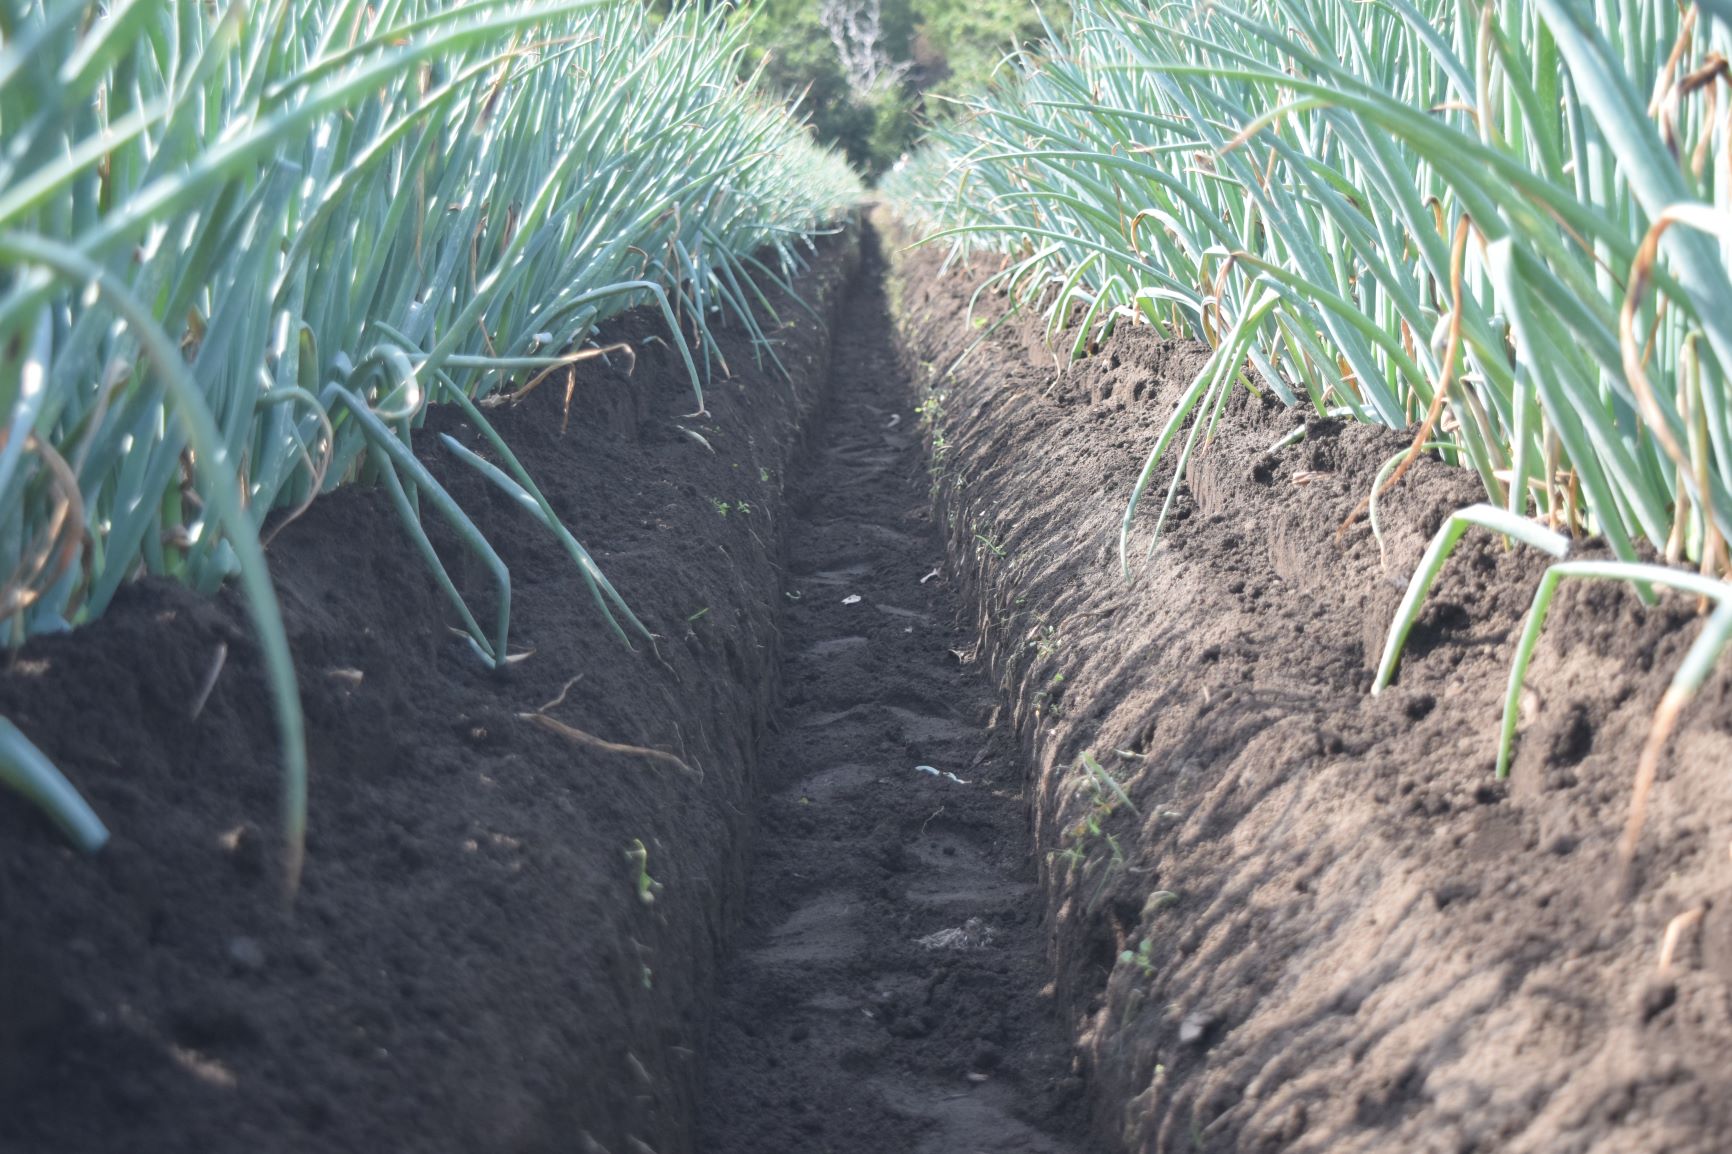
{"x":1314,"y":921}
{"x":470,"y":965}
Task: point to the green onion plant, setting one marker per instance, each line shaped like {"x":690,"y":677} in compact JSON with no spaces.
{"x":244,"y":246}
{"x":1502,"y":224}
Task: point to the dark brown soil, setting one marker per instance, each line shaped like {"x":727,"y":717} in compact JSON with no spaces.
{"x":1313,"y":921}
{"x":887,"y":996}
{"x":1320,"y":924}
{"x":469,"y":966}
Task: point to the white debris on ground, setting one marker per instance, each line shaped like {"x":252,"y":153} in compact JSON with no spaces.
{"x":970,"y":935}
{"x":935,"y":772}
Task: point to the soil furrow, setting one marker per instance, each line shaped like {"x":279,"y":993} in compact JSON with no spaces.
{"x":888,"y":991}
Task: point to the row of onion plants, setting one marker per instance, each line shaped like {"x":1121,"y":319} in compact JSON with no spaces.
{"x":1503,"y":226}
{"x":244,"y":246}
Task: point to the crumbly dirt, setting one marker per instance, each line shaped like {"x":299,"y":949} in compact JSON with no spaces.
{"x":469,"y":966}
{"x":1314,"y":921}
{"x":889,"y":993}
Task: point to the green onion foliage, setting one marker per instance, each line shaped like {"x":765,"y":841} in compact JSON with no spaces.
{"x":243,"y":247}
{"x":1505,"y":223}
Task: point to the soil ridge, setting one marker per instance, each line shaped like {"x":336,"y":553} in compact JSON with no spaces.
{"x":505,"y":939}
{"x":1289,"y":915}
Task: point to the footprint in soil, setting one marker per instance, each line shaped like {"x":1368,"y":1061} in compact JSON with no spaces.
{"x":884,"y":995}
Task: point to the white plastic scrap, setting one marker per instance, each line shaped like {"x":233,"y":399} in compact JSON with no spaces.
{"x":851,"y":599}
{"x":1195,"y":1025}
{"x":970,"y":935}
{"x":942,"y":773}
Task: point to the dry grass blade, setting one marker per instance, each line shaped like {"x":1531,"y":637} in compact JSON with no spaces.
{"x":1641,"y":273}
{"x":58,"y":542}
{"x":563,"y":690}
{"x":565,"y":362}
{"x":210,"y":680}
{"x":579,"y":737}
{"x":316,"y":472}
{"x":1675,"y":931}
{"x":1665,"y":720}
{"x":1445,"y":379}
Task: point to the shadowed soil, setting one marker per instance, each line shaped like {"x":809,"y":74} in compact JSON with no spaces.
{"x":889,"y":991}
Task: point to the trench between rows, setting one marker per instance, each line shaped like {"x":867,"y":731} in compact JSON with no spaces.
{"x":887,"y":989}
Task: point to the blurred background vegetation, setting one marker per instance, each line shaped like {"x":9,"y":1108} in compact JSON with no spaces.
{"x":871,"y":72}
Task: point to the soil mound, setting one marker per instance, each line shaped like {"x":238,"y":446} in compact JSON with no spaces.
{"x":1289,"y":915}
{"x":472,"y":964}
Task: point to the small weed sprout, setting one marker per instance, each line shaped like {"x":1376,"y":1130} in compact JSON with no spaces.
{"x":1106,"y":797}
{"x":992,"y":546}
{"x":1046,"y":644}
{"x":931,"y":414}
{"x":646,"y":886}
{"x":1049,"y":700}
